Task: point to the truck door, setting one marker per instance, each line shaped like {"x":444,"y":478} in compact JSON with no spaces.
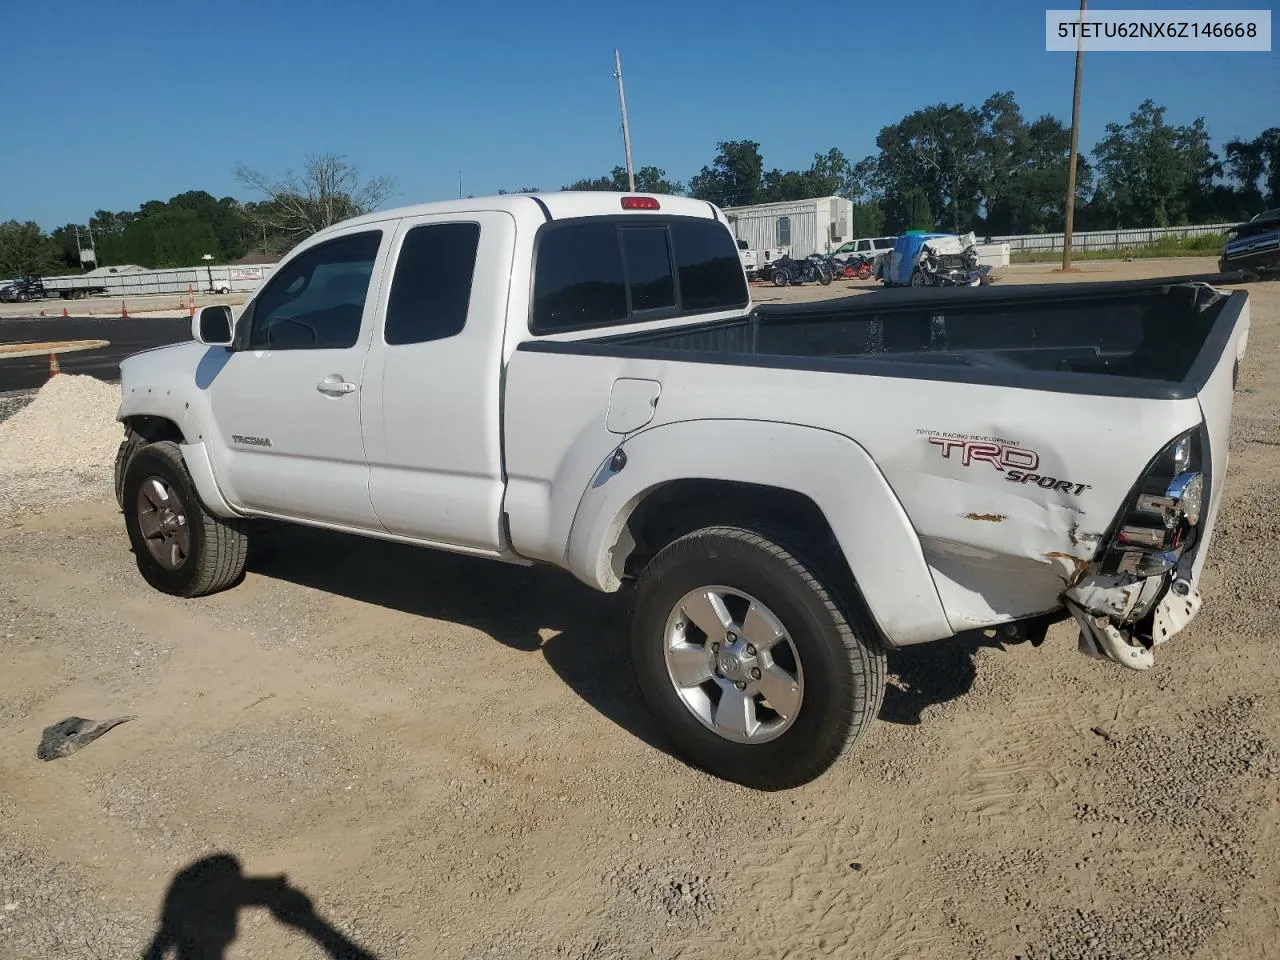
{"x":432,"y":424}
{"x":287,"y":403}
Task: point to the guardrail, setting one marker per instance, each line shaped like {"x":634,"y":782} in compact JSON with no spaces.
{"x":1107,"y":239}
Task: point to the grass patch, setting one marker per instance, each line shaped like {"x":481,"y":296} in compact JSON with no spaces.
{"x":1205,"y":245}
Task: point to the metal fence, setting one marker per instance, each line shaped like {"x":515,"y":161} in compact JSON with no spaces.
{"x":1106,"y":239}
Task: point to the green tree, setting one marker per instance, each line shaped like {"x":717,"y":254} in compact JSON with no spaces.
{"x":938,"y":150}
{"x":733,"y":179}
{"x":648,"y":180}
{"x":919,"y":216}
{"x":1254,"y":166}
{"x":1150,"y":170}
{"x":829,"y":175}
{"x":232,"y":228}
{"x":868,"y":220}
{"x":1028,"y":183}
{"x":25,"y":249}
{"x":64,"y":239}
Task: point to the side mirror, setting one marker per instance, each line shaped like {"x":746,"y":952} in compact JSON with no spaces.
{"x":213,"y":325}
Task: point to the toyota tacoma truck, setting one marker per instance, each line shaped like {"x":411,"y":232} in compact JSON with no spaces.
{"x":786,"y":491}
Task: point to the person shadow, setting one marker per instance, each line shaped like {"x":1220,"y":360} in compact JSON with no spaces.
{"x":199,"y":919}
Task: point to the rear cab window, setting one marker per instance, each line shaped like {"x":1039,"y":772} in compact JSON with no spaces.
{"x":431,"y":287}
{"x":608,"y":271}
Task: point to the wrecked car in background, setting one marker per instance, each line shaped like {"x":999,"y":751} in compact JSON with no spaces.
{"x":923,"y":259}
{"x":1253,"y":246}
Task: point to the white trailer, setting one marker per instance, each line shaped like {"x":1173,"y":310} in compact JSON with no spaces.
{"x":819,"y":225}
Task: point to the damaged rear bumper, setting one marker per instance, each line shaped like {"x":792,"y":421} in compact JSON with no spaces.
{"x":1124,"y":619}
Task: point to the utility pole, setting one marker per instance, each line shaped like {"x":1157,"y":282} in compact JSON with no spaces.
{"x":1075,"y":146}
{"x":626,"y":129}
{"x":459,"y":184}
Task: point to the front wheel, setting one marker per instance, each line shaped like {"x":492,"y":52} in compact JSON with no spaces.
{"x":180,"y":547}
{"x":748,"y":662}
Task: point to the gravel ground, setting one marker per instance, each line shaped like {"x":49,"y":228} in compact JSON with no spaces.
{"x":448,"y":760}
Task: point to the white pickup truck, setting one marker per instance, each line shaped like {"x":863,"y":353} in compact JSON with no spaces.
{"x":580,"y":380}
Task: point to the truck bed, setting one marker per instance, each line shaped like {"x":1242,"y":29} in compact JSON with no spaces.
{"x":1150,"y":339}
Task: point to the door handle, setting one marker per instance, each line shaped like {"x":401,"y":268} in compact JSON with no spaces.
{"x":334,"y":386}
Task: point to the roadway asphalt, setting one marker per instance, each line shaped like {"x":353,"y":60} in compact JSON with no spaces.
{"x":125,"y":336}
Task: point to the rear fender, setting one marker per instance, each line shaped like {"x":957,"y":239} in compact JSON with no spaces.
{"x":878,"y":542}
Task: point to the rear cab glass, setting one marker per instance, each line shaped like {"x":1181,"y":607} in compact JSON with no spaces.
{"x":607,"y":271}
{"x":431,"y":287}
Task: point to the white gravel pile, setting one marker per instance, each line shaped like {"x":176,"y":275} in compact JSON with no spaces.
{"x":61,"y":447}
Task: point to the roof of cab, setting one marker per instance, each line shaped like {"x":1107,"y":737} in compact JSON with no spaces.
{"x":543,"y":206}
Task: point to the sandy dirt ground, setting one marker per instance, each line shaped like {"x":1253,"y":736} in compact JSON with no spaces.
{"x":367,"y":750}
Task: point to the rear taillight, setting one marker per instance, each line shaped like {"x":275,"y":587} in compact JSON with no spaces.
{"x":640,"y":203}
{"x":1161,"y":519}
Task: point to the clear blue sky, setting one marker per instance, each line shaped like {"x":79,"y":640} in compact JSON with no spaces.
{"x":153,"y":98}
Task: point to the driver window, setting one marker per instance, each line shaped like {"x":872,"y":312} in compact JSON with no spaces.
{"x":317,"y":300}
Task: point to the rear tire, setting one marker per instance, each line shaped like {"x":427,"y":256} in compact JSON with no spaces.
{"x":838,"y":674}
{"x":208,"y":557}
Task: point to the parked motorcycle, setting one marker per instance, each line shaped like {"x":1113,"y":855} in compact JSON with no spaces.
{"x":811,"y":268}
{"x":860,"y":266}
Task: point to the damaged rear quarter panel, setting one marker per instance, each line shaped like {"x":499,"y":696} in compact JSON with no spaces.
{"x":1011,"y":491}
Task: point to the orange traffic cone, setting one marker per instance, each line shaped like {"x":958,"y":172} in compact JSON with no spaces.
{"x":54,"y":369}
{"x":64,"y":312}
{"x":42,"y":313}
{"x":124,"y":311}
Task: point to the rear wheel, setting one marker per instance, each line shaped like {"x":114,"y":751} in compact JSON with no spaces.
{"x":780,"y":278}
{"x":748,"y":663}
{"x":180,"y":547}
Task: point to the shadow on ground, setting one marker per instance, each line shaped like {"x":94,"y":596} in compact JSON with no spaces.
{"x":587,"y":633}
{"x":583,"y":634}
{"x":929,"y":674}
{"x":200,"y":916}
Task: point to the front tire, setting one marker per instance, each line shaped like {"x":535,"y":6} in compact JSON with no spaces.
{"x":748,"y":662}
{"x":180,"y":548}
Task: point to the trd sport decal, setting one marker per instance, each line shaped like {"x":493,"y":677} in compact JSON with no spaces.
{"x":1016,"y":463}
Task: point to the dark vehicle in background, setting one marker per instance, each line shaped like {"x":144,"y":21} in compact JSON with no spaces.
{"x":32,"y":288}
{"x":1254,"y":245}
{"x":22,"y":289}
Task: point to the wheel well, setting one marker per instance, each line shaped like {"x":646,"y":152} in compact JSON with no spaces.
{"x":682,"y":506}
{"x":154,"y":429}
